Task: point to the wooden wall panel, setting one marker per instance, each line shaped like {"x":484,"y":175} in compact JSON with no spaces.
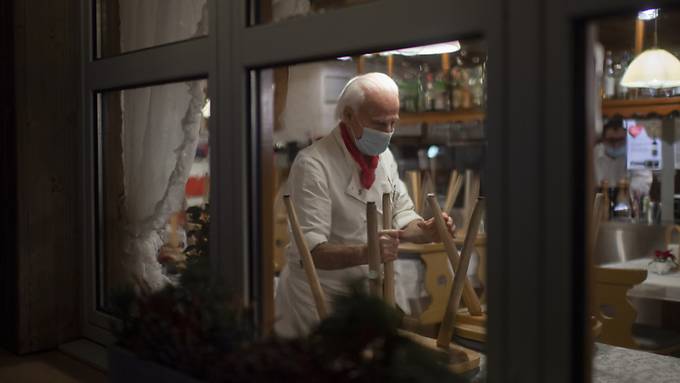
{"x":47,"y":65}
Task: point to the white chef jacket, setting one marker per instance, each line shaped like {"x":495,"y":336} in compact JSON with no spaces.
{"x":324,"y":185}
{"x":614,"y":169}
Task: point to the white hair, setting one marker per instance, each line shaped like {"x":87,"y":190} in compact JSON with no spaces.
{"x":354,"y":92}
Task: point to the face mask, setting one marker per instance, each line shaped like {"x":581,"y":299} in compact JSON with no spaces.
{"x":373,"y":142}
{"x":615,"y":152}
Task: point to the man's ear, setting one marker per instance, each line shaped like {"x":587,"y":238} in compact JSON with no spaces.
{"x":347,"y":113}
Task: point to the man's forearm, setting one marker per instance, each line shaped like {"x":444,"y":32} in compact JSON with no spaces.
{"x":413,"y":233}
{"x":329,"y":256}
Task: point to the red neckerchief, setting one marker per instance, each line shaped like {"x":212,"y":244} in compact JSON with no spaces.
{"x":367,"y":167}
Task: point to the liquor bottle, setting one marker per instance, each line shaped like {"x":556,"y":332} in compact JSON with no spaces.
{"x":407,"y":80}
{"x":606,"y":202}
{"x":421,"y":104}
{"x":609,"y":78}
{"x":456,"y":88}
{"x":428,"y":94}
{"x":622,"y":207}
{"x":467,"y":92}
{"x":441,"y":91}
{"x":477,"y":86}
{"x":619,"y":69}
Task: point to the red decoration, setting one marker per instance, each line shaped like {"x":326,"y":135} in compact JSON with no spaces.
{"x":664,"y":255}
{"x":195,"y":187}
{"x":635,"y":130}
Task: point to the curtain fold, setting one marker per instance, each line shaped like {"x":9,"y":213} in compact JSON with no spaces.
{"x":159,"y":136}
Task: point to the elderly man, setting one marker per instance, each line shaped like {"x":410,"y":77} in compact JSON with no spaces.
{"x":330,"y":183}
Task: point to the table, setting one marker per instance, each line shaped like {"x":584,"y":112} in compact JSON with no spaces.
{"x":623,"y":365}
{"x":662,"y":287}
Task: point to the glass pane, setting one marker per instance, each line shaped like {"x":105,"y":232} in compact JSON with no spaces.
{"x":633,"y":132}
{"x":130,"y":25}
{"x":153,"y":183}
{"x":273,"y":11}
{"x":433,"y":97}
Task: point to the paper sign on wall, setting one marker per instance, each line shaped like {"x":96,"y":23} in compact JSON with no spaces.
{"x":643,"y":150}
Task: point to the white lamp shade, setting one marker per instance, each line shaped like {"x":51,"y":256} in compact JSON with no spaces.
{"x":653,"y":68}
{"x":432,"y":49}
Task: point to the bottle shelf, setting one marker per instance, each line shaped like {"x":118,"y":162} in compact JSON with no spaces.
{"x":463,"y":115}
{"x":643,"y":107}
{"x":426,"y":141}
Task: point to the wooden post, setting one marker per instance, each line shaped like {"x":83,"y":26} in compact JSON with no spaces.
{"x":414,"y":181}
{"x":307,"y":261}
{"x":596,"y":217}
{"x":446,"y":328}
{"x":469,"y":295}
{"x":433,"y":174}
{"x":446,"y":62}
{"x":360,"y":63}
{"x":375,"y":282}
{"x":390,"y":65}
{"x":471,"y":194}
{"x":639,"y":35}
{"x":455,"y":184}
{"x":389,"y":266}
{"x":604,"y":216}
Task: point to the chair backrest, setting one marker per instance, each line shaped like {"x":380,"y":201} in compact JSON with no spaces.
{"x":612,"y":306}
{"x":307,"y":260}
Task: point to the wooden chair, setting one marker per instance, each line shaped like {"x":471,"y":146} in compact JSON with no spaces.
{"x":471,"y":320}
{"x":307,"y":260}
{"x":618,"y":315}
{"x":461,"y":359}
{"x":470,"y":323}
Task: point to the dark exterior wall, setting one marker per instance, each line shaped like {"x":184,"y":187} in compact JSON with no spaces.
{"x":8,"y":264}
{"x":46,"y":85}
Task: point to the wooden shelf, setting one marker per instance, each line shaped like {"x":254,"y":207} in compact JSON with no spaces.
{"x":421,"y":141}
{"x":441,"y":117}
{"x":640,"y":107}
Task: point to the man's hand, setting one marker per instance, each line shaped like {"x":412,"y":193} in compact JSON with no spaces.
{"x":429,"y":227}
{"x":389,"y":244}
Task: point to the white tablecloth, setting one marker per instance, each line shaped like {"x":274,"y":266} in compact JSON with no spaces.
{"x":664,"y":287}
{"x":621,"y":365}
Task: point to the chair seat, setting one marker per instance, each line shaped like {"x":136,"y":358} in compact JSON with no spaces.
{"x":469,"y":343}
{"x":656,"y":339}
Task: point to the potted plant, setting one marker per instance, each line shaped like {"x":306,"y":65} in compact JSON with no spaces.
{"x":195,"y":332}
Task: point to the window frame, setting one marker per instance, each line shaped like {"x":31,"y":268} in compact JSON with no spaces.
{"x":536,"y":290}
{"x":145,"y":67}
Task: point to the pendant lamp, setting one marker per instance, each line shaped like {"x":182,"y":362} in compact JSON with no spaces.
{"x":654,"y":68}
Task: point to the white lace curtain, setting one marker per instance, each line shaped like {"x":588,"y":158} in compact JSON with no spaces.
{"x":159,"y":134}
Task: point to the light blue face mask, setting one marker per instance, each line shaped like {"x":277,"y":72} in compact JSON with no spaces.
{"x":615,"y":152}
{"x":373,"y":142}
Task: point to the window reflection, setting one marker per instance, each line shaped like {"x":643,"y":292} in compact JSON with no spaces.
{"x":438,"y":146}
{"x":273,"y":11}
{"x":130,"y":25}
{"x":633,"y":164}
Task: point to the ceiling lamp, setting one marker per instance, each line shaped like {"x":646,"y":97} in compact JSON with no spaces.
{"x":649,"y":14}
{"x":432,"y":49}
{"x":654,"y":68}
